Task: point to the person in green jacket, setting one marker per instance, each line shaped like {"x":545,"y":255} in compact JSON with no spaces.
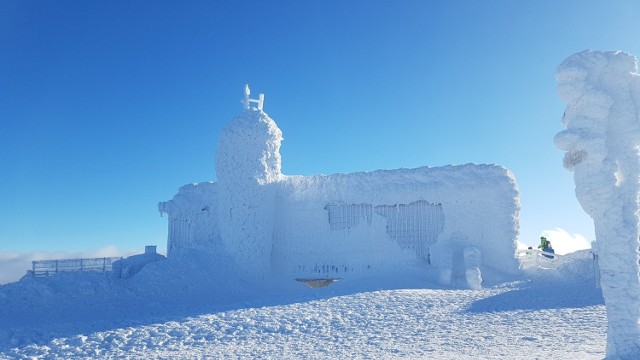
{"x":545,"y":245}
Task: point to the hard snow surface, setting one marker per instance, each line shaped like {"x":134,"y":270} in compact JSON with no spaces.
{"x":183,"y":308}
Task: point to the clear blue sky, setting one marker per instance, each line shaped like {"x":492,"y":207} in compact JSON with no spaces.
{"x":108,"y":107}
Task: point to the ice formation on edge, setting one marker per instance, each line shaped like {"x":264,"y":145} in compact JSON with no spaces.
{"x":602,"y":140}
{"x":459,"y":219}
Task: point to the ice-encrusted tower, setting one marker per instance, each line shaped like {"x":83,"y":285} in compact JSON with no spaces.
{"x":247,"y":161}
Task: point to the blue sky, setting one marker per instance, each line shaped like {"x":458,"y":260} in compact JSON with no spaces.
{"x":107,"y":108}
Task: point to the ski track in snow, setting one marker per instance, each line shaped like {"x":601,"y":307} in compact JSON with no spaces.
{"x":522,"y":320}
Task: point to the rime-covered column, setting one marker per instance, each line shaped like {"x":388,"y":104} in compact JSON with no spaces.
{"x":247,"y":161}
{"x":602,"y":140}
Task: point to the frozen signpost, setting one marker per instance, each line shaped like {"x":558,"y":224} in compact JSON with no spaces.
{"x":602,"y":143}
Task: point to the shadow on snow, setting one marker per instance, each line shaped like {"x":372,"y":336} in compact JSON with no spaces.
{"x":539,"y":296}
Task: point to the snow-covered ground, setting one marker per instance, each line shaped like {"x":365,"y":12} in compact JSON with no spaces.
{"x":175,"y":308}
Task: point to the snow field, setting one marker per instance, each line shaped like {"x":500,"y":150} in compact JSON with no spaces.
{"x":523,"y":320}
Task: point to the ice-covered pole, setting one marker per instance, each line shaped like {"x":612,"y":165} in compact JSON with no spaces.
{"x":247,"y":93}
{"x":602,"y":142}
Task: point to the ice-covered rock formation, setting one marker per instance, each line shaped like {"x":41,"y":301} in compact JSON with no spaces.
{"x":343,"y":225}
{"x":602,"y":140}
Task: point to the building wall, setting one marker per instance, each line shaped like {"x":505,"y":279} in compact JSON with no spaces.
{"x":348,"y":225}
{"x":193,"y":219}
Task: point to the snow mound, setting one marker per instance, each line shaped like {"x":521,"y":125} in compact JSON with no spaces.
{"x":37,"y":309}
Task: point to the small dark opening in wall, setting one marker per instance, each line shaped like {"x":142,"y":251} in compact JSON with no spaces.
{"x":318,"y":283}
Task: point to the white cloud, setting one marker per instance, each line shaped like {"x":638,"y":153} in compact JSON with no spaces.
{"x":564,"y":243}
{"x":14,"y":265}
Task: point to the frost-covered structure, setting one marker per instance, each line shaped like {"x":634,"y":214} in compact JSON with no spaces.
{"x":602,"y":140}
{"x":128,"y":267}
{"x":459,"y":219}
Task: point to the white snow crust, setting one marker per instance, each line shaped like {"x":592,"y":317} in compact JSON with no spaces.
{"x":602,"y":140}
{"x":185,"y":307}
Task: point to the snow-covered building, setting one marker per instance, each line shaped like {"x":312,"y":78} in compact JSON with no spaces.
{"x":457,"y":219}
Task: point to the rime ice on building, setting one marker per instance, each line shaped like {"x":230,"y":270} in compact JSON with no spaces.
{"x":457,"y":220}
